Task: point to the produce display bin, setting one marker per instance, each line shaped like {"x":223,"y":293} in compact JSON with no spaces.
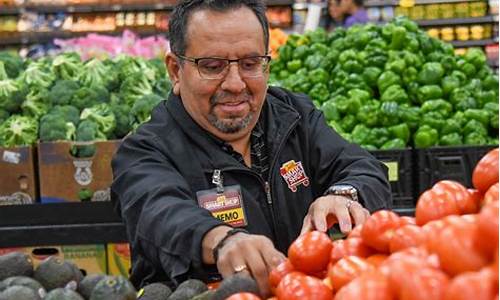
{"x":401,"y":175}
{"x":63,"y":176}
{"x":453,"y":163}
{"x":90,"y":259}
{"x":17,"y":176}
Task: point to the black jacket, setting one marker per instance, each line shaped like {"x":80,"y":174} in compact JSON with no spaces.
{"x":158,"y":170}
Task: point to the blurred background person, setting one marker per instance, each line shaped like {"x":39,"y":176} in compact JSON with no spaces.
{"x":353,"y":12}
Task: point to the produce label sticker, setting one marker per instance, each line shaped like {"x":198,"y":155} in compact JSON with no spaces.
{"x":294,"y":175}
{"x":227,"y":206}
{"x":11,"y":157}
{"x":393,"y":170}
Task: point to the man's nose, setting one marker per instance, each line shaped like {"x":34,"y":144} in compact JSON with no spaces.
{"x":233,"y":81}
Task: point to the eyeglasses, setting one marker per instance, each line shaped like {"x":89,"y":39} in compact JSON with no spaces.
{"x":217,"y":68}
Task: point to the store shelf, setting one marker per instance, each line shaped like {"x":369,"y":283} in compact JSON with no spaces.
{"x":279,"y":2}
{"x":28,"y":38}
{"x":60,"y":224}
{"x":458,"y":21}
{"x":372,"y":3}
{"x":474,"y":43}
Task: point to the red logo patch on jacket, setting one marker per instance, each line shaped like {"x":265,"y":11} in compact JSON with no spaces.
{"x":294,"y":174}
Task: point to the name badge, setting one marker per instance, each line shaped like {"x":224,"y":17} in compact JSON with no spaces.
{"x":226,"y":206}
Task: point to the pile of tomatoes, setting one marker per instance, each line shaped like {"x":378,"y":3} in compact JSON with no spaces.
{"x":448,"y":251}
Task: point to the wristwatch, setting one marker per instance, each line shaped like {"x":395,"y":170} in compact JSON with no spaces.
{"x":343,"y":190}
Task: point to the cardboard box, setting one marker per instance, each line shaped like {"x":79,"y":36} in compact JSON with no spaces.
{"x":62,"y":176}
{"x":91,"y":259}
{"x":17,"y":176}
{"x":119,"y":259}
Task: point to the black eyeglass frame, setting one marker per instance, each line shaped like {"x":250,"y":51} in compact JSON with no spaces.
{"x":196,"y":60}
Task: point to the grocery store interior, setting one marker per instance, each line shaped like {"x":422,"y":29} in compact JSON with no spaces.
{"x":413,"y":82}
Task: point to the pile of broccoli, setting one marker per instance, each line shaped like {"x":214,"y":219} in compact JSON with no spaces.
{"x":63,"y":98}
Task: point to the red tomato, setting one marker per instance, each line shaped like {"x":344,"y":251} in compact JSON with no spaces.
{"x":279,"y":272}
{"x":243,"y":296}
{"x":465,"y":202}
{"x":297,"y":286}
{"x":346,"y":269}
{"x":356,"y":231}
{"x":369,"y":286}
{"x":310,"y":252}
{"x":431,"y":232}
{"x":379,"y":229}
{"x":491,"y":195}
{"x":405,"y":237}
{"x":425,"y":284}
{"x":351,"y":246}
{"x":472,"y":285}
{"x":485,"y":173}
{"x":434,"y":205}
{"x":477,"y":196}
{"x":487,"y":237}
{"x":376,"y":259}
{"x":405,"y":220}
{"x":457,"y":248}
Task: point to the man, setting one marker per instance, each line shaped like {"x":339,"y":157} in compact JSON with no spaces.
{"x":354,"y":11}
{"x":225,"y":145}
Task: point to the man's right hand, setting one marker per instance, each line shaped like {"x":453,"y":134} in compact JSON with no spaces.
{"x":250,"y":253}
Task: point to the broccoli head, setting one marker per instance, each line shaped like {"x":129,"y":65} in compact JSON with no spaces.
{"x":38,"y":75}
{"x":67,"y":66}
{"x":3,"y":115}
{"x":122,"y":116}
{"x":13,"y":63}
{"x":35,"y":105}
{"x":18,"y":131}
{"x":87,"y":131}
{"x":94,"y":73}
{"x":62,"y":92}
{"x":67,"y":112}
{"x":141,"y":111}
{"x":8,"y":88}
{"x":86,"y":97}
{"x":134,"y":87}
{"x":55,"y":128}
{"x":102,"y":115}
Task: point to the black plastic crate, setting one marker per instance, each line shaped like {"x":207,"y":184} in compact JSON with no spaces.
{"x":453,"y":163}
{"x":401,"y":175}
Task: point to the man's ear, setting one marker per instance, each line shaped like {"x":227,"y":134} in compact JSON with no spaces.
{"x":173,"y":68}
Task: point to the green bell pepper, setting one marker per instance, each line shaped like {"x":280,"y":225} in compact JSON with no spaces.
{"x":452,"y":125}
{"x":352,"y":66}
{"x":335,"y":126}
{"x":490,"y":83}
{"x":476,"y":57}
{"x":412,"y":59}
{"x":475,"y":138}
{"x":480,"y":115}
{"x":386,"y":79}
{"x":368,"y":113}
{"x":378,"y":136}
{"x":460,"y":76}
{"x":330,"y":110}
{"x":484,"y":97}
{"x":410,"y":115}
{"x":475,"y":126}
{"x":433,"y":119}
{"x":389,"y":114}
{"x":398,"y":38}
{"x":393,"y":144}
{"x":449,"y":83}
{"x":294,"y":65}
{"x":410,"y":75}
{"x":449,"y":63}
{"x":400,"y":131}
{"x":394,"y":93}
{"x":462,"y":99}
{"x":360,"y":134}
{"x":467,"y":68}
{"x":285,"y":53}
{"x":429,"y":92}
{"x":397,"y":66}
{"x":443,"y":107}
{"x":431,"y":73}
{"x":319,"y":92}
{"x":370,"y":75}
{"x":426,"y":45}
{"x":313,"y":62}
{"x":348,"y":123}
{"x":319,"y":48}
{"x":360,"y":94}
{"x":425,"y":137}
{"x":451,"y":139}
{"x":301,"y":52}
{"x":318,"y":76}
{"x":492,"y":107}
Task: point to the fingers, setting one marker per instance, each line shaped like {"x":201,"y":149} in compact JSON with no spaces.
{"x":358,"y":213}
{"x":258,"y":269}
{"x":319,"y":218}
{"x":307,"y":225}
{"x":344,"y":217}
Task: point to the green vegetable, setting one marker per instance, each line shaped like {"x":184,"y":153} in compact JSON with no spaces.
{"x":62,"y":92}
{"x":475,"y":126}
{"x":400,"y":131}
{"x":393,"y":144}
{"x":102,"y":115}
{"x":433,"y":119}
{"x":449,"y":83}
{"x":395,"y":93}
{"x":389,"y":114}
{"x":476,"y":138}
{"x":451,"y":139}
{"x":429,"y":92}
{"x":439,"y":105}
{"x":370,"y":75}
{"x":293,"y":65}
{"x":141,"y":111}
{"x":330,"y":110}
{"x":480,"y":115}
{"x":348,"y":123}
{"x":18,"y":131}
{"x":53,"y":127}
{"x":368,"y":113}
{"x":425,"y":137}
{"x":387,"y":79}
{"x":451,"y":126}
{"x":476,"y":57}
{"x":360,"y":134}
{"x":431,"y":73}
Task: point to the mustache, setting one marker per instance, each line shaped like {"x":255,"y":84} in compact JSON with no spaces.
{"x":225,"y":97}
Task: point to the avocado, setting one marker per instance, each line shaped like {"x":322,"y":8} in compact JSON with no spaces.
{"x":63,"y":294}
{"x":188,"y":289}
{"x":113,"y":288}
{"x":15,"y":264}
{"x":27,"y":282}
{"x":88,"y":283}
{"x":205,"y":295}
{"x":155,"y":291}
{"x":54,"y":272}
{"x":236,"y":284}
{"x":18,"y":292}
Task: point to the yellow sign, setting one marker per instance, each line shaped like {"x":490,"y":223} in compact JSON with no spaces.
{"x":407,"y":3}
{"x":230,"y":216}
{"x":393,"y":170}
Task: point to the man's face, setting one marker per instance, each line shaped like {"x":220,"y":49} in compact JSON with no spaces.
{"x":229,"y":107}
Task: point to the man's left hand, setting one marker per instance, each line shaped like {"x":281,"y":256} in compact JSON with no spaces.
{"x":342,"y":207}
